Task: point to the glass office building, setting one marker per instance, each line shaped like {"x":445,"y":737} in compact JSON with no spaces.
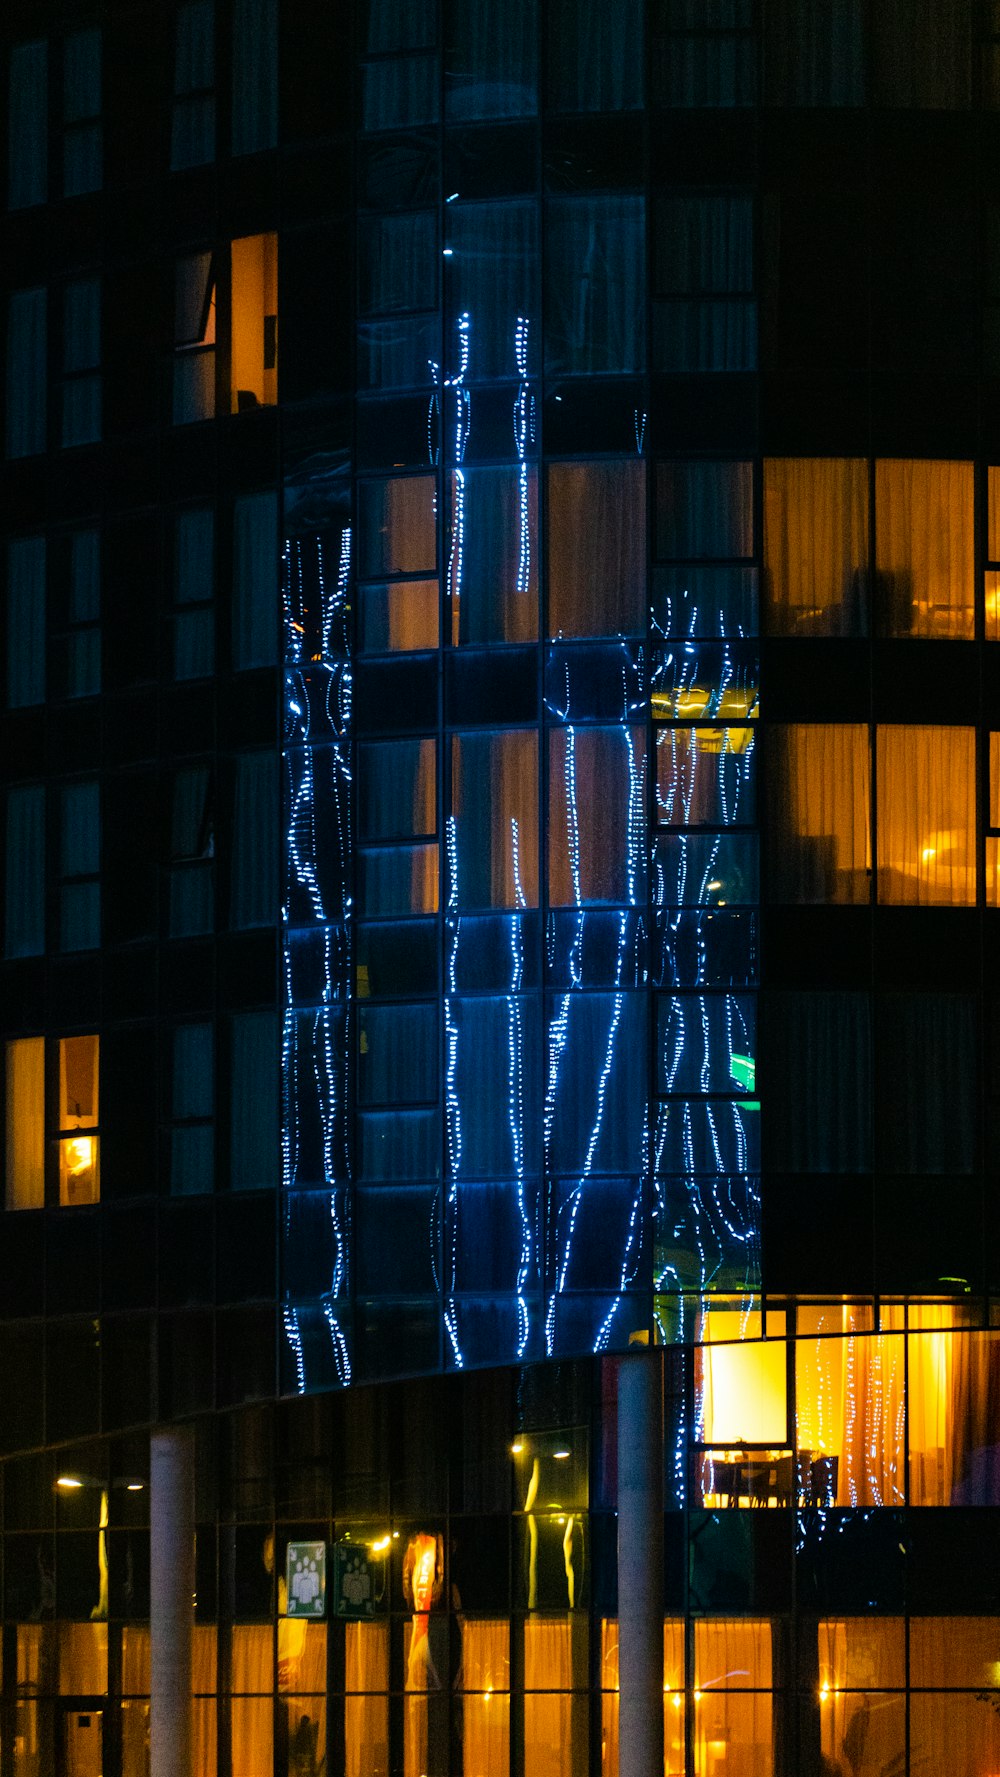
{"x":501,"y":770}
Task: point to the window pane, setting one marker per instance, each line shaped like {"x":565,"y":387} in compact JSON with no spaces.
{"x":255,"y":75}
{"x":849,"y":1405}
{"x":80,"y":830}
{"x":193,"y":1093}
{"x":923,"y":56}
{"x":819,"y":813}
{"x":27,"y":126}
{"x":26,"y":373}
{"x":926,"y":783}
{"x":817,"y":1058}
{"x":399,"y":617}
{"x":705,"y":776}
{"x":494,"y":799}
{"x":816,"y":546}
{"x":493,"y":279}
{"x":398,"y":1061}
{"x":25,"y":621}
{"x":704,"y":509}
{"x":25,"y":871}
{"x":397,"y":789}
{"x":492,"y":65}
{"x":81,"y":415}
{"x":254,"y":336}
{"x":254,"y":1109}
{"x":399,"y":879}
{"x":255,"y":841}
{"x":398,"y":263}
{"x":81,"y":112}
{"x":815,"y":54}
{"x":595,"y":286}
{"x":493,"y":555}
{"x":398,"y":526}
{"x":255,"y":580}
{"x":926,"y":1072}
{"x":26,"y":1124}
{"x":593,"y":65}
{"x":597,"y":548}
{"x":192,"y":141}
{"x":597,"y":816}
{"x":79,"y":1154}
{"x":924,"y":548}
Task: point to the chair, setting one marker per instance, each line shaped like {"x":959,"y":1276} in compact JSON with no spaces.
{"x":781,"y":1480}
{"x":825,"y":1474}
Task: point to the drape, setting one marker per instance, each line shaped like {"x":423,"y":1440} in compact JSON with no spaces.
{"x":925,"y":1075}
{"x":27,"y":126}
{"x":397,"y":1061}
{"x":705,"y":776}
{"x":255,"y":75}
{"x":597,"y":816}
{"x":493,"y":838}
{"x":24,"y":931}
{"x":254,"y":1102}
{"x":818,"y":827}
{"x":366,"y":1705}
{"x":926,"y":800}
{"x":954,"y":1398}
{"x":923,"y":54}
{"x":398,"y":262}
{"x":400,"y":617}
{"x":596,"y":1103}
{"x":399,"y":879}
{"x":26,"y":1123}
{"x":192,"y":139}
{"x":26,"y":372}
{"x":493,"y":279}
{"x":924,"y":548}
{"x":816,"y":1064}
{"x":695,"y":67}
{"x":554,"y":1660}
{"x":485,"y":1680}
{"x":814,"y":52}
{"x":397,"y":789}
{"x":704,"y":509}
{"x":252,"y":1717}
{"x":850,"y":1405}
{"x":397,"y":525}
{"x":493,"y":554}
{"x":255,"y":580}
{"x":595,"y":60}
{"x":704,"y":248}
{"x":255,"y":841}
{"x":82,"y":112}
{"x":596,"y":548}
{"x":81,"y":390}
{"x":595,"y":286}
{"x":192,"y":1138}
{"x":25,"y":621}
{"x":815,"y":546}
{"x":673,"y":1697}
{"x":491,"y":69}
{"x":399,"y":92}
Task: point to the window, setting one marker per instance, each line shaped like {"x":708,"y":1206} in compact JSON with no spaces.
{"x":397,"y":805}
{"x":924,"y":548}
{"x":597,"y":548}
{"x":818,"y":830}
{"x":401,"y":86}
{"x":493,"y":836}
{"x":255,"y":75}
{"x":191,"y":875}
{"x":26,"y":372}
{"x":815,"y":55}
{"x":82,"y":146}
{"x":254,"y":887}
{"x":254,"y":1073}
{"x":704,"y":316}
{"x":596,"y":286}
{"x":992,"y":577}
{"x":77,"y":640}
{"x":816,"y":546}
{"x":73,"y":1120}
{"x":25,"y":622}
{"x":926,"y":800}
{"x":492,"y":65}
{"x":79,"y":891}
{"x":192,"y":138}
{"x":255,"y":580}
{"x":24,"y":933}
{"x":193,"y":621}
{"x":194,"y":339}
{"x":592,"y":64}
{"x":254,"y":343}
{"x":27,"y":126}
{"x":493,"y":554}
{"x":705,"y":56}
{"x":993,"y":825}
{"x":81,"y":387}
{"x":192,"y":1110}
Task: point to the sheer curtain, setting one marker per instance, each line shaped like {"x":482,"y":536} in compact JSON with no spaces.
{"x":366,"y":1705}
{"x":27,"y":126}
{"x":817,"y":1063}
{"x":814,"y":52}
{"x":595,"y":60}
{"x":597,"y":816}
{"x":252,"y":1717}
{"x":494,"y":793}
{"x":818,"y":828}
{"x":82,"y":142}
{"x":597,"y":548}
{"x":926,"y":829}
{"x":493,"y":278}
{"x":397,"y":788}
{"x":485,"y":1681}
{"x":548,"y":1704}
{"x":26,"y":557}
{"x":704,"y":249}
{"x":704,"y":509}
{"x":491,"y":69}
{"x":254,"y":1102}
{"x":816,"y":546}
{"x":255,"y":75}
{"x":924,"y":548}
{"x":26,"y":372}
{"x":25,"y":1169}
{"x":595,"y":286}
{"x":24,"y":931}
{"x":850,"y":1404}
{"x":493,"y":554}
{"x":255,"y":580}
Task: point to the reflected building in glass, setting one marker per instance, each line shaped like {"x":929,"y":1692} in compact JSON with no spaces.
{"x":501,"y":757}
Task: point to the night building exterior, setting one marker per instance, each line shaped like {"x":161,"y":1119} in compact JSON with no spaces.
{"x":501,"y":954}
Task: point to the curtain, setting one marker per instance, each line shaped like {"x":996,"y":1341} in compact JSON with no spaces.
{"x":397,"y":524}
{"x":673,"y":1695}
{"x":398,"y":1053}
{"x":397,"y":789}
{"x":192,"y":844}
{"x":850,"y":1407}
{"x":923,"y":54}
{"x":955,"y":1731}
{"x":27,"y":126}
{"x":366,"y":1706}
{"x":25,"y":621}
{"x":82,"y":112}
{"x":81,"y":392}
{"x":695,"y":68}
{"x":194,"y":585}
{"x":252,"y":1717}
{"x":192,"y":1138}
{"x":818,"y":827}
{"x":83,"y":1659}
{"x":816,"y":1062}
{"x":485,"y":1681}
{"x":553,"y":1718}
{"x":253,"y":1130}
{"x":400,"y":92}
{"x":814,"y":52}
{"x":493,"y":837}
{"x":26,"y":372}
{"x":253,"y":894}
{"x":26,"y":1123}
{"x":925,"y":1076}
{"x":401,"y":617}
{"x":704,"y":509}
{"x":924,"y":548}
{"x":597,"y":1084}
{"x":255,"y":580}
{"x":597,"y":816}
{"x":399,"y":879}
{"x":705,"y":776}
{"x":740,"y":1383}
{"x":595,"y":55}
{"x":868,"y":1730}
{"x":597,"y":548}
{"x":25,"y":871}
{"x":493,"y":278}
{"x":491,"y":70}
{"x":255,"y":75}
{"x":493,"y":1115}
{"x":926,"y":800}
{"x":704,"y":246}
{"x":493,"y":554}
{"x":398,"y":262}
{"x":192,"y":140}
{"x":816,"y":546}
{"x":595,"y":286}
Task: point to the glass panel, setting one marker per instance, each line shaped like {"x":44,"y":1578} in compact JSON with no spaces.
{"x":704,"y":509}
{"x":25,"y":621}
{"x":254,"y":336}
{"x":83,"y":1659}
{"x":819,"y":813}
{"x":400,"y":617}
{"x":27,"y":348}
{"x":399,"y":879}
{"x":926,"y":816}
{"x":255,"y":578}
{"x":597,"y":816}
{"x":861,"y":1653}
{"x":742,"y":1388}
{"x":595,"y":286}
{"x":26,"y":1123}
{"x":493,"y":558}
{"x":27,"y":126}
{"x":493,"y":847}
{"x":397,"y":789}
{"x":255,"y":75}
{"x":954,"y":1732}
{"x":398,"y":526}
{"x":705,"y":776}
{"x":597,"y":548}
{"x":25,"y":872}
{"x":924,"y":548}
{"x":816,"y":546}
{"x":849,"y":1417}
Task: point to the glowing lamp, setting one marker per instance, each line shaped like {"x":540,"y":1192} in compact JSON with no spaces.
{"x":69,"y":1481}
{"x":560,"y":1455}
{"x":79,"y":1155}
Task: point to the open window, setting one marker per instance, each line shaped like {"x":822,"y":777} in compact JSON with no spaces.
{"x":78,"y":1138}
{"x":72,"y":1090}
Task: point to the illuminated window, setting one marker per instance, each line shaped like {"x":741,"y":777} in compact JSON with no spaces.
{"x":742,"y":1386}
{"x":818,"y":827}
{"x":992,"y":577}
{"x":397,"y":549}
{"x":254,"y":323}
{"x":78,"y":1138}
{"x":816,"y":546}
{"x":924,"y":548}
{"x":494,"y":797}
{"x":26,"y":1123}
{"x":926,"y":800}
{"x":194,"y":339}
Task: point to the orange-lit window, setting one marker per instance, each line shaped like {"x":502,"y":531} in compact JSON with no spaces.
{"x":992,"y":576}
{"x":924,"y":548}
{"x":926,"y":799}
{"x":819,"y":813}
{"x":861,"y":1664}
{"x":78,"y":1140}
{"x":26,"y":1123}
{"x":816,"y":546}
{"x":254,"y":338}
{"x":742,"y":1386}
{"x":993,"y":825}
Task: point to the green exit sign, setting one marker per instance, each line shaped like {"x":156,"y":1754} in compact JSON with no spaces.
{"x":305,"y":1578}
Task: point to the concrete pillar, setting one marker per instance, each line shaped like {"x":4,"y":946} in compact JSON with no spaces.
{"x":171,"y":1598}
{"x":640,"y":1563}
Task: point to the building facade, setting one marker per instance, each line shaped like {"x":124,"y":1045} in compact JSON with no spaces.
{"x":501,"y":755}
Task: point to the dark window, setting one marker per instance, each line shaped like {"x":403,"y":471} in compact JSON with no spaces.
{"x":79,"y":891}
{"x":193,"y":621}
{"x":192,"y":138}
{"x":25,"y":871}
{"x":26,"y":372}
{"x":191,"y":874}
{"x":27,"y":126}
{"x":194,"y":339}
{"x":192,"y":1110}
{"x":25,"y":621}
{"x":81,"y":383}
{"x":82,"y":146}
{"x":255,"y":75}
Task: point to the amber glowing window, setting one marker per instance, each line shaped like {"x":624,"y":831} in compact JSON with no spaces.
{"x":926,"y":800}
{"x":816,"y":546}
{"x":992,"y":575}
{"x":924,"y":548}
{"x":818,"y":828}
{"x":993,"y":825}
{"x":78,"y":1140}
{"x":26,"y":1123}
{"x":254,"y":340}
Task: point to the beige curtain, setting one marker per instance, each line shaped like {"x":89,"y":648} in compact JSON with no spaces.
{"x":494,"y":794}
{"x":954,"y":1411}
{"x":485,"y":1680}
{"x":253,"y":1716}
{"x":815,"y":546}
{"x":818,"y":830}
{"x":861,"y":1653}
{"x":950,"y":1731}
{"x":366,"y":1707}
{"x":83,"y":1659}
{"x":597,"y":814}
{"x":924,"y":548}
{"x":864,"y":1735}
{"x":26,"y":1123}
{"x":597,"y":548}
{"x":399,"y":528}
{"x":926,"y":799}
{"x":850,"y":1405}
{"x":732,"y":1696}
{"x":301,"y":1655}
{"x":412,"y":609}
{"x":674,"y":1712}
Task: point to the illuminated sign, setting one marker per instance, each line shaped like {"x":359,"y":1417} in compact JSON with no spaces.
{"x":305,"y":1578}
